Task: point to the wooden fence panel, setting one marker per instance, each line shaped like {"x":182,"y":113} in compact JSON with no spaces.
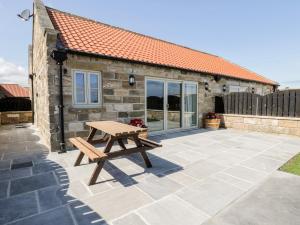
{"x":292,"y":103}
{"x":280,"y":104}
{"x":245,"y":103}
{"x":236,"y":103}
{"x":297,"y":106}
{"x":274,"y":104}
{"x":249,"y":105}
{"x":241,"y":103}
{"x":229,"y":104}
{"x":286,"y":102}
{"x":225,"y":100}
{"x":264,"y":106}
{"x":269,"y":104}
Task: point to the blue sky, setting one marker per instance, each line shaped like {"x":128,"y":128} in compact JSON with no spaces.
{"x":263,"y":36}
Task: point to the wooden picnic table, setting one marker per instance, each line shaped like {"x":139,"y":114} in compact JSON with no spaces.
{"x":113,"y":132}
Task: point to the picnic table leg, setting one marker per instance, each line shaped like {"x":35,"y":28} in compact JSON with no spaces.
{"x":92,"y":134}
{"x":109,"y":144}
{"x":79,"y":158}
{"x":121,"y":143}
{"x":143,"y":153}
{"x":96,"y":172}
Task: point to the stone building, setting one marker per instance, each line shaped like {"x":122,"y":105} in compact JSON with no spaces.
{"x":173,"y":86}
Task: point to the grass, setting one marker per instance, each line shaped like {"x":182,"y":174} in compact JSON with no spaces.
{"x":292,"y":166}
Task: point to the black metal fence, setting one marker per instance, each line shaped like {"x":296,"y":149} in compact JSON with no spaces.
{"x":281,"y":103}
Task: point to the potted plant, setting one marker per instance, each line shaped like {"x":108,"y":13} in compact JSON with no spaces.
{"x":139,"y":123}
{"x":212,"y":121}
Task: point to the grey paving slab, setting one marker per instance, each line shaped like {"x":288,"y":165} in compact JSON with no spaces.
{"x":84,"y":215}
{"x":158,"y":187}
{"x":17,"y":207}
{"x":131,"y":219}
{"x":5,"y":164}
{"x":53,"y":197}
{"x":15,"y":174}
{"x":45,"y":167}
{"x":210,"y":195}
{"x":3,"y":189}
{"x":117,"y":202}
{"x":202,"y":169}
{"x":170,"y":211}
{"x":57,"y":216}
{"x":242,"y":184}
{"x":278,"y":154}
{"x":262,"y":163}
{"x":31,"y":183}
{"x":181,"y":178}
{"x":247,"y":174}
{"x":225,"y":159}
{"x":275,"y":202}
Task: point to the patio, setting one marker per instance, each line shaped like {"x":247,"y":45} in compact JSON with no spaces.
{"x":196,"y":175}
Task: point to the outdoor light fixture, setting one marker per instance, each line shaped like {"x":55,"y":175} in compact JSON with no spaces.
{"x":206,"y":86}
{"x":131,"y":80}
{"x":224,"y":88}
{"x":217,"y":78}
{"x":253,"y":90}
{"x":25,"y":15}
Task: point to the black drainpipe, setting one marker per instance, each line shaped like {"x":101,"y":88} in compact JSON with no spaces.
{"x":60,"y":56}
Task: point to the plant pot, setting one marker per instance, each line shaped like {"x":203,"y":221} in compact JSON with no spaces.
{"x":212,"y":123}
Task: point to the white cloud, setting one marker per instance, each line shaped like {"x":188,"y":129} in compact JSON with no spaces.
{"x":12,"y":73}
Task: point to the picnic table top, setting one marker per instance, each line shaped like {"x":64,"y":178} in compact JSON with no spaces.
{"x":115,"y":128}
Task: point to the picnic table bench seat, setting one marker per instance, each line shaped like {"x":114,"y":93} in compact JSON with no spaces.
{"x":87,"y":149}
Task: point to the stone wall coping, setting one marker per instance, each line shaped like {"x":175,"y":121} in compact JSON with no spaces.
{"x":262,"y":117}
{"x":9,"y":112}
{"x":44,"y":19}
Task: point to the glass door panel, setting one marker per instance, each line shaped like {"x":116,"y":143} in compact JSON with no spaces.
{"x":190,"y":105}
{"x":155,"y":105}
{"x":174,"y":105}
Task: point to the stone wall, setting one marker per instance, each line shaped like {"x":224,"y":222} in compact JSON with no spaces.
{"x":268,"y":124}
{"x":15,"y":117}
{"x":120,"y":101}
{"x":44,"y":39}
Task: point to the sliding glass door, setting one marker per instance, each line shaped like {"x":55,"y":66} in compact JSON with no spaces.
{"x":190,"y":105}
{"x":174,"y":105}
{"x":170,"y":104}
{"x":155,"y":105}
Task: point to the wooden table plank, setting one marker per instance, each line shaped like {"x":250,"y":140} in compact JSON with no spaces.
{"x":115,"y":128}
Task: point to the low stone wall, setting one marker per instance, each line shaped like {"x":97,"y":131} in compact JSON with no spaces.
{"x":268,"y":124}
{"x":15,"y":117}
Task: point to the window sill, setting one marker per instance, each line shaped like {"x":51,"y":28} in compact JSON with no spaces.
{"x":86,"y":107}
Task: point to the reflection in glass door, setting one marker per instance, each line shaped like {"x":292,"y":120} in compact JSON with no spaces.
{"x":190,"y":105}
{"x":155,"y":105}
{"x":174,"y":105}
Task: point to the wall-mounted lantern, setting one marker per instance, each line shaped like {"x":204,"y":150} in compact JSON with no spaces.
{"x":131,"y":80}
{"x":224,"y":88}
{"x":253,"y":90}
{"x":206,"y":86}
{"x":217,"y":78}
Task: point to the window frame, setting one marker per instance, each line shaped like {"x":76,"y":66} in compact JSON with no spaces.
{"x":87,"y":88}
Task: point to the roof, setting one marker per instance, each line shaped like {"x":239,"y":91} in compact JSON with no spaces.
{"x":88,"y":36}
{"x":14,"y":90}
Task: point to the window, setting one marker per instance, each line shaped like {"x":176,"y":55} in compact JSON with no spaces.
{"x":86,"y":88}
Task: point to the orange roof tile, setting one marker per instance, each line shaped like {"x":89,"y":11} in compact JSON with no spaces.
{"x":89,"y":36}
{"x":14,"y":90}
